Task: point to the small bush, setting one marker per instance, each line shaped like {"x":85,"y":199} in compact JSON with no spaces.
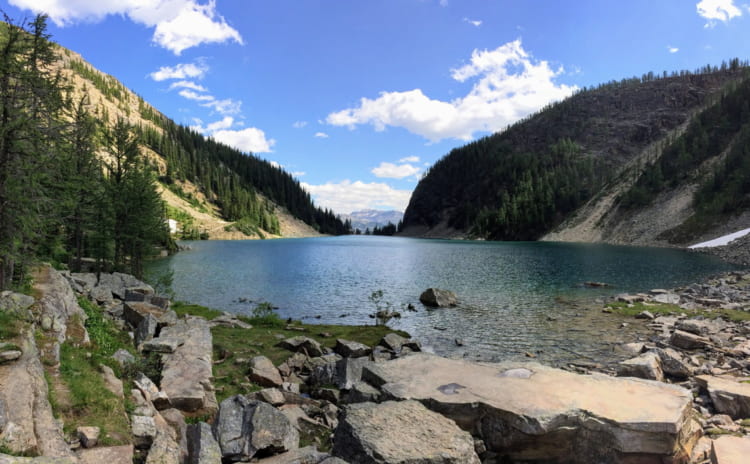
{"x":264,"y":315}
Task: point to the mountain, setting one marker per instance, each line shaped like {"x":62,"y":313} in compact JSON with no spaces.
{"x":211,"y":189}
{"x":656,"y":160}
{"x":371,"y":218}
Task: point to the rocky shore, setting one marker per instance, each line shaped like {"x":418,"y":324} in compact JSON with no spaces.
{"x":683,"y":397}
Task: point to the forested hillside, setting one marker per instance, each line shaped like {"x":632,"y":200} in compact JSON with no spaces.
{"x":82,"y":157}
{"x":524,"y":182}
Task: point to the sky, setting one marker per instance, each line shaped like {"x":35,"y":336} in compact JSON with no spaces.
{"x":357,"y":98}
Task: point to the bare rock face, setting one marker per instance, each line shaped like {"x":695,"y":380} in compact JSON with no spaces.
{"x":527,"y":411}
{"x":401,"y":433}
{"x":187,"y":372}
{"x":730,"y":450}
{"x":728,"y":395}
{"x":27,"y":425}
{"x":202,"y":446}
{"x":244,"y":428}
{"x":57,"y":308}
{"x":437,"y":298}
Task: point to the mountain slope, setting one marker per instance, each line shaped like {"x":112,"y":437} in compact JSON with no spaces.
{"x":225,"y":193}
{"x":569,"y":168}
{"x":371,"y":218}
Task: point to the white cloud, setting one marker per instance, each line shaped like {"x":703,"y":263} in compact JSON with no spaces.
{"x":321,"y":135}
{"x":178,"y":24}
{"x":509,"y":84}
{"x":395,"y":171}
{"x":672,"y":49}
{"x":473,"y":22}
{"x":187,"y":85}
{"x":299,"y":124}
{"x":299,"y":173}
{"x":275,"y":164}
{"x":190,"y":95}
{"x":250,"y":140}
{"x":347,"y":196}
{"x":717,"y":10}
{"x":180,"y":71}
{"x":225,"y":106}
{"x":409,"y":159}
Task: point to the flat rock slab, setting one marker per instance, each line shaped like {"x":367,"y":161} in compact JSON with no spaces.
{"x":187,"y":375}
{"x":401,"y":432}
{"x":730,"y":450}
{"x":728,"y":395}
{"x":529,"y":411}
{"x":108,"y":455}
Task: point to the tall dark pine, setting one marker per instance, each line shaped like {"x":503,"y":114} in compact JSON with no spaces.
{"x":30,"y":103}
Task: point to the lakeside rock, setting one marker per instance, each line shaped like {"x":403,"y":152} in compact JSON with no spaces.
{"x":437,"y":298}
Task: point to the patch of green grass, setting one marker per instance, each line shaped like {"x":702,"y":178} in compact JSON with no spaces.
{"x":105,"y":337}
{"x":90,"y":403}
{"x":619,"y":307}
{"x":715,"y":432}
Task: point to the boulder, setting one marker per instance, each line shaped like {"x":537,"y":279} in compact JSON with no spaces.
{"x":135,"y":311}
{"x":437,"y":298}
{"x":532,"y":412}
{"x":89,"y":436}
{"x":730,"y":450}
{"x":9,"y":355}
{"x":728,"y":395}
{"x":362,"y":392}
{"x":187,"y":372}
{"x":144,"y":431}
{"x":645,"y":366}
{"x":402,"y":432}
{"x":123,"y":357}
{"x":151,"y":392}
{"x":57,"y":306}
{"x":245,"y":428}
{"x":306,"y":455}
{"x":111,"y":382}
{"x":162,"y":345}
{"x":349,"y":349}
{"x":688,"y":341}
{"x":303,"y":344}
{"x":701,"y":326}
{"x":165,"y":449}
{"x":272,"y":396}
{"x":178,"y":426}
{"x":146,"y":330}
{"x":17,"y":304}
{"x":264,"y":373}
{"x":202,"y":446}
{"x":672,"y":363}
{"x":107,"y":455}
{"x":667,"y":298}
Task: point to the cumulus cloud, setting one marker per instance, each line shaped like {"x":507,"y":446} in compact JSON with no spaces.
{"x":180,"y":71}
{"x":347,"y":196}
{"x":191,"y":95}
{"x":299,"y":173}
{"x":473,"y":22}
{"x":672,"y":49}
{"x":321,"y":135}
{"x":409,"y":159}
{"x":225,"y":106}
{"x":508,"y":85}
{"x":717,"y":10}
{"x":249,"y":140}
{"x":395,"y":171}
{"x":178,"y":24}
{"x":299,"y":124}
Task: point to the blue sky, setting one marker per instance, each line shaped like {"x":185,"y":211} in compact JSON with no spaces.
{"x":358,"y":97}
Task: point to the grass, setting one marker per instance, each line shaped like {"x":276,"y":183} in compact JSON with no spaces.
{"x":185,"y":309}
{"x":9,"y":326}
{"x":656,"y":309}
{"x":234,"y":344}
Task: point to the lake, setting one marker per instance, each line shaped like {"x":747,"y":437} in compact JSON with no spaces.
{"x":515,"y":297}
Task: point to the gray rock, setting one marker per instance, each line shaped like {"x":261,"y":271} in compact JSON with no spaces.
{"x":123,"y":357}
{"x":9,"y":355}
{"x":688,"y":341}
{"x":645,"y":315}
{"x":306,"y":455}
{"x":243,"y":428}
{"x":264,"y":373}
{"x":151,"y":392}
{"x":701,"y":326}
{"x":107,"y":455}
{"x":17,"y":304}
{"x":187,"y":373}
{"x":350,"y":349}
{"x":202,"y":446}
{"x":437,"y":298}
{"x":667,"y":298}
{"x":645,"y":366}
{"x":728,"y":396}
{"x":111,"y":381}
{"x":402,"y":432}
{"x":176,"y":422}
{"x":101,"y":295}
{"x":146,"y":329}
{"x":272,"y":396}
{"x":303,"y":344}
{"x":134,"y":312}
{"x":144,"y":431}
{"x":672,"y":363}
{"x":396,"y":343}
{"x":162,"y":345}
{"x":362,"y":392}
{"x":730,"y":450}
{"x":165,"y":449}
{"x":89,"y":436}
{"x":134,"y":296}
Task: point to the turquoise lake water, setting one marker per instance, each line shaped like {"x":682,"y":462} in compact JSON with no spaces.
{"x":516,"y":297}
